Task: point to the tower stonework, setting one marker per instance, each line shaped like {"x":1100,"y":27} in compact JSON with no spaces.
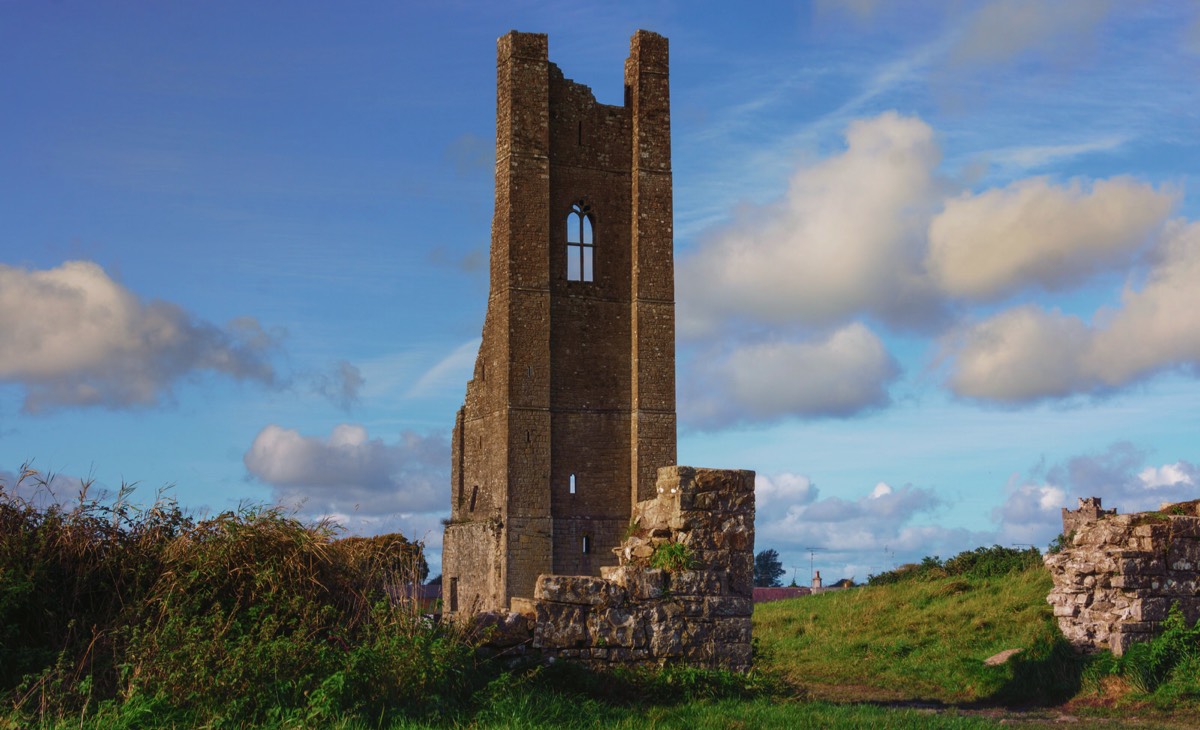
{"x":571,"y":409}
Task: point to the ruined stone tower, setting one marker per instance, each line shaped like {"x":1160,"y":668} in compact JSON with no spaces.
{"x":571,"y":410}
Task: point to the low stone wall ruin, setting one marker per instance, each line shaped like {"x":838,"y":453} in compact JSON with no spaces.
{"x":1119,"y":574}
{"x":638,"y":614}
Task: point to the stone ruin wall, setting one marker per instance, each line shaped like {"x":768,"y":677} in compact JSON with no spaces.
{"x":637,"y":614}
{"x":1119,"y":574}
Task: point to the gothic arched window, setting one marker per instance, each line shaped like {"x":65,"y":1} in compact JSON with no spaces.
{"x":580,"y":257}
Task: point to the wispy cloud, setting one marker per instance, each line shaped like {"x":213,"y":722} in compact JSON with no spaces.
{"x":1025,"y":158}
{"x":452,"y":371}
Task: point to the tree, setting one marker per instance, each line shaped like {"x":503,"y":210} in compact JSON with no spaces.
{"x":767,"y":569}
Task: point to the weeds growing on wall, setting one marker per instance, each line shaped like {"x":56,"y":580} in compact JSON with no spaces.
{"x":673,"y":557}
{"x":242,"y":618}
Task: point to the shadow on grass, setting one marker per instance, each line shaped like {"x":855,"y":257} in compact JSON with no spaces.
{"x":1048,"y":673}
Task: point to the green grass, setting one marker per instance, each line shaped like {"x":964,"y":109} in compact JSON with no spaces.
{"x":921,"y":639}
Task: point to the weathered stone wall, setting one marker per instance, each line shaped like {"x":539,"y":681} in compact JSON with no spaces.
{"x":571,"y":408}
{"x":1119,"y":574}
{"x":638,"y":614}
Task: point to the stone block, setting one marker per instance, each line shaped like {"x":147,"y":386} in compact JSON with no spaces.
{"x":501,"y":629}
{"x":695,"y":583}
{"x":1185,"y":528}
{"x":644,"y":584}
{"x":1150,"y":609}
{"x":733,"y":630}
{"x":580,"y":589}
{"x":527,"y":607}
{"x":666,"y":639}
{"x":612,"y":627}
{"x":560,"y":626}
{"x":723,"y":606}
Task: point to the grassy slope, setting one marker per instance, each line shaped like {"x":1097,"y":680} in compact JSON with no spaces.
{"x":910,"y":640}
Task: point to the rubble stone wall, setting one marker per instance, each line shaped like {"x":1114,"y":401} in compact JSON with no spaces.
{"x":639,"y":614}
{"x":1119,"y":574}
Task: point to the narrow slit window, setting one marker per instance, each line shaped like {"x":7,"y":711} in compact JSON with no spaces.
{"x":580,"y":244}
{"x":474,"y":496}
{"x":572,"y":484}
{"x":453,"y":594}
{"x":587,"y":544}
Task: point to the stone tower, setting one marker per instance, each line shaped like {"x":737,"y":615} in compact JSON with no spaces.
{"x":571,"y":410}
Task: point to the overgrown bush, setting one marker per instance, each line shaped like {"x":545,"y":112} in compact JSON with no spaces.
{"x":244,"y":617}
{"x":982,"y":562}
{"x":1149,"y":665}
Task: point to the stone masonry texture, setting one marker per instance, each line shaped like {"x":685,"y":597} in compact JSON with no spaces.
{"x":1119,"y":574}
{"x":571,"y":408}
{"x":636,"y":613}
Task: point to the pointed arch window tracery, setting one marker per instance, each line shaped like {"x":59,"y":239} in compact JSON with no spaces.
{"x":580,"y":244}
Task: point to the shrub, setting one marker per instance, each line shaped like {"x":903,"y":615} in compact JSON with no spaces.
{"x":247,"y":617}
{"x":982,"y":562}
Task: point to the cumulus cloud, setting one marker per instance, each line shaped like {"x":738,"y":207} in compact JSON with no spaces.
{"x":1034,"y":232}
{"x":849,"y":236}
{"x":1001,"y":30}
{"x":841,"y":375}
{"x":782,"y":490}
{"x":349,"y":473}
{"x":71,"y":336}
{"x":852,"y":533}
{"x":1119,"y":475}
{"x":1029,"y":353}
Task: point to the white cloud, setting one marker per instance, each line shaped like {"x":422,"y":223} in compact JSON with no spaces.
{"x":844,"y":374}
{"x":1004,"y":29}
{"x":1034,"y":232}
{"x":1032,"y":511}
{"x":848,"y":236}
{"x":783,"y":489}
{"x":1029,"y":353}
{"x":71,"y":336}
{"x":866,"y":534}
{"x":350,"y":473}
{"x":1168,"y":475}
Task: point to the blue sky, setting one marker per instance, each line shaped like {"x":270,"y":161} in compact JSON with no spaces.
{"x":936,"y":264}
